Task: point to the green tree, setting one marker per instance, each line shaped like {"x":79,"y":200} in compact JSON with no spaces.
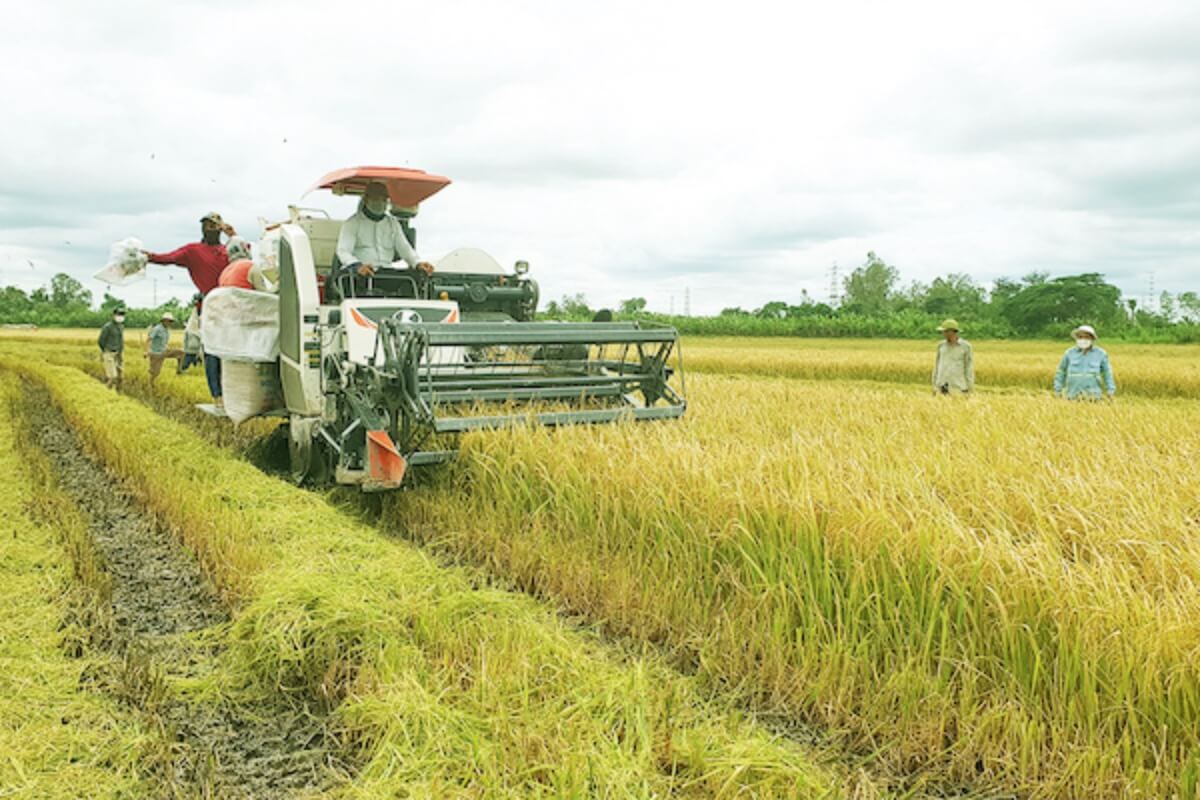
{"x":109,"y":303}
{"x":1072,"y":299}
{"x":955,"y":294}
{"x":776,"y":309}
{"x":1166,"y":307}
{"x":66,"y":292}
{"x":1189,"y":306}
{"x":808,"y":308}
{"x":871,"y":289}
{"x":575,"y":305}
{"x":13,"y":302}
{"x":632,"y":306}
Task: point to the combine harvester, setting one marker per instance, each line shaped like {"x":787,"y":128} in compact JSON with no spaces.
{"x":409,"y":360}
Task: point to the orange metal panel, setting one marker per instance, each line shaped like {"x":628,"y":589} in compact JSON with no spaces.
{"x":406,"y":187}
{"x":385,"y":465}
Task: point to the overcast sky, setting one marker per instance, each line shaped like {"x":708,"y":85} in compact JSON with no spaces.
{"x":736,"y":150}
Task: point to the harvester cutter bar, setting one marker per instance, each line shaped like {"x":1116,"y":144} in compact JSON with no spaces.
{"x":573,"y":392}
{"x":553,"y":418}
{"x":533,"y":379}
{"x":475,"y":334}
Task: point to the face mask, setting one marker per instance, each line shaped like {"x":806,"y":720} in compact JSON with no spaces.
{"x":119,"y":318}
{"x":376,"y":206}
{"x":1083,"y":343}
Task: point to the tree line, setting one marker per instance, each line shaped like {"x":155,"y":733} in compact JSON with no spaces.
{"x":65,"y":303}
{"x":874,"y":303}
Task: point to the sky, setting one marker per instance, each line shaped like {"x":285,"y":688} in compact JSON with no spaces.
{"x":701,"y":155}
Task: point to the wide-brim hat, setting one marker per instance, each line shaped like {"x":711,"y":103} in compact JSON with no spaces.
{"x":168,"y":316}
{"x":948,"y":325}
{"x":1088,"y":329}
{"x":213,"y":216}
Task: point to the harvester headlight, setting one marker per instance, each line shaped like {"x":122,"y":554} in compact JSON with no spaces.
{"x":521,"y":267}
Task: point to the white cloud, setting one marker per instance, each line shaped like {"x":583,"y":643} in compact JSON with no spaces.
{"x":625,"y":148}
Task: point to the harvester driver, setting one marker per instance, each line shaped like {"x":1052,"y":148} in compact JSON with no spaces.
{"x":371,"y":240}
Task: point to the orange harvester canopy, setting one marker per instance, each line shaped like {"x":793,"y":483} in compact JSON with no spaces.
{"x":406,"y":187}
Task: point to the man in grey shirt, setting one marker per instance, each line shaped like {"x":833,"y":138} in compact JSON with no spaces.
{"x":954,"y":370}
{"x":158,"y":349}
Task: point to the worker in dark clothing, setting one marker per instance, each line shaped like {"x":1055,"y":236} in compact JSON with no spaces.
{"x":112,"y":349}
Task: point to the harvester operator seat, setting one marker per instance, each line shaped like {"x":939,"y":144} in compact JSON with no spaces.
{"x":386,"y":282}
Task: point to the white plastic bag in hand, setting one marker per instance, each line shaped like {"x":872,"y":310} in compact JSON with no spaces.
{"x":126,"y":263}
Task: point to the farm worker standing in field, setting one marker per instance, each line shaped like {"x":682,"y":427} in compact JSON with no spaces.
{"x":954,"y":369}
{"x":204,"y":260}
{"x":1084,"y":372}
{"x":112,"y":349}
{"x":158,"y":351}
{"x":191,"y":336}
{"x":371,"y":240}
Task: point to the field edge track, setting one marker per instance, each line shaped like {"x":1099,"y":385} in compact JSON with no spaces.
{"x":59,"y":728}
{"x":164,"y":627}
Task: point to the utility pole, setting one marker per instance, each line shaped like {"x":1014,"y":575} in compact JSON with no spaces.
{"x":835,"y":286}
{"x":672,"y":305}
{"x":687,"y":301}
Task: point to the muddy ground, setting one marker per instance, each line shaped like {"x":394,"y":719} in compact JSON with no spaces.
{"x":162,"y":609}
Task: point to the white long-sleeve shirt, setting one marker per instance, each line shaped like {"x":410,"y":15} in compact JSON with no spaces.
{"x":363,"y":240}
{"x":954,"y":367}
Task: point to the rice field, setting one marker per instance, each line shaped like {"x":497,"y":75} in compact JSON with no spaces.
{"x":822,"y":582}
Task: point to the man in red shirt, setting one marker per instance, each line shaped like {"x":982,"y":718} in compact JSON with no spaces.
{"x":203,"y":260}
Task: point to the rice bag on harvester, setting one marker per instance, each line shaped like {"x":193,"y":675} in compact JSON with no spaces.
{"x":240,"y":325}
{"x":250,"y":388}
{"x":126,"y":263}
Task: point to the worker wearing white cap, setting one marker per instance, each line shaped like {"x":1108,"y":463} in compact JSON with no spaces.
{"x":157,"y":349}
{"x":1084,"y":372}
